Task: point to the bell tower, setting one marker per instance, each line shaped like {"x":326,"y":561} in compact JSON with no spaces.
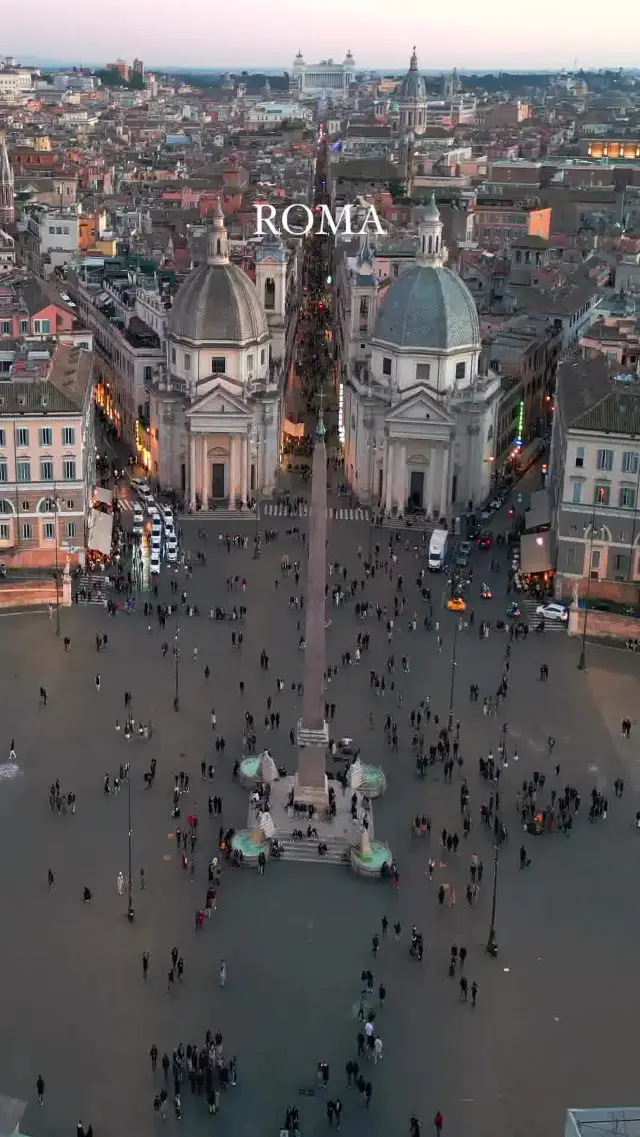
{"x":271,"y":283}
{"x":7,"y":211}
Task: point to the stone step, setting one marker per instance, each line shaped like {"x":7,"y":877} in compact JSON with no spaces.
{"x":307,"y":850}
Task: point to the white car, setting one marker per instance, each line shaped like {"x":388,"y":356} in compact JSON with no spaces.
{"x":172,"y":551}
{"x":167,"y":513}
{"x":154,"y":563}
{"x":552,"y":612}
{"x":138,"y":524}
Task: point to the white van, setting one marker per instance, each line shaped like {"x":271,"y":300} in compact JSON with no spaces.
{"x":438,"y":549}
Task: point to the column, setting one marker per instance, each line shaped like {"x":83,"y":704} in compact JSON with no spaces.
{"x":388,"y":497}
{"x":444,"y":497}
{"x":192,"y":471}
{"x":204,"y":470}
{"x":430,"y":476}
{"x":245,"y":470}
{"x":232,"y":470}
{"x":401,"y":480}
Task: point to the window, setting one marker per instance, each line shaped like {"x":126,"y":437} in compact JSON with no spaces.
{"x":579,"y":457}
{"x":621,"y":563}
{"x":386,"y":366}
{"x":5,"y":532}
{"x":605,"y":460}
{"x":595,"y":559}
{"x":25,"y":506}
{"x":26,"y":531}
{"x":24,"y":471}
{"x":2,"y":438}
{"x":70,"y":503}
{"x":630,"y":462}
{"x":187,"y":361}
{"x":422,"y":372}
{"x":71,"y":528}
{"x":4,"y":474}
{"x":627,"y":499}
{"x":262,"y":356}
{"x":148,"y":375}
{"x":69,"y":469}
{"x":5,"y":327}
{"x":52,"y":229}
{"x":45,"y":436}
{"x":219,"y":364}
{"x":5,"y":506}
{"x":173,"y":354}
{"x":46,"y":470}
{"x":65,"y":230}
{"x":59,"y":230}
{"x":602,"y":495}
{"x":249,"y":363}
{"x":47,"y":505}
{"x":461,"y":370}
{"x":49,"y":531}
{"x":68,"y":436}
{"x":576,"y":493}
{"x":22,"y":436}
{"x":571,"y":557}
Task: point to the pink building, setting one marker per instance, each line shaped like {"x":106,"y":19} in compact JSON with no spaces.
{"x":31,"y":307}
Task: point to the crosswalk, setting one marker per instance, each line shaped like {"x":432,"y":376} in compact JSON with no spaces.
{"x":528,"y":605}
{"x":278,"y":509}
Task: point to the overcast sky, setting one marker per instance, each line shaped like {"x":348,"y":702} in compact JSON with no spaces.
{"x":467,"y":34}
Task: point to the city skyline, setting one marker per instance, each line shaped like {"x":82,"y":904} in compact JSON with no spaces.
{"x":469,"y":37}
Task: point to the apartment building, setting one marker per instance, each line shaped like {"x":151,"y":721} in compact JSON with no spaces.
{"x":47,"y":457}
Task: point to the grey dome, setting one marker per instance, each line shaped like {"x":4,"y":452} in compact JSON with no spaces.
{"x":428,"y":308}
{"x":217,"y":304}
{"x":413,"y":88}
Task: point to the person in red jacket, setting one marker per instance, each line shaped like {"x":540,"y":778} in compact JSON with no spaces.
{"x":438,"y":1121}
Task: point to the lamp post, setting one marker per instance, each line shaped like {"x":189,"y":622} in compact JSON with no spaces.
{"x":597,"y":500}
{"x":373,"y":447}
{"x":492,"y":943}
{"x":453,"y":670}
{"x":176,"y":656}
{"x":130,"y":911}
{"x":53,"y":504}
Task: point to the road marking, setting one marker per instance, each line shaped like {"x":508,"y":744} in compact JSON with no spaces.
{"x":26,"y":612}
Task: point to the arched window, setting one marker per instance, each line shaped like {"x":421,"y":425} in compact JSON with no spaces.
{"x":437,"y":244}
{"x":218,"y":247}
{"x":6,"y":506}
{"x":430,"y":244}
{"x":269,"y":294}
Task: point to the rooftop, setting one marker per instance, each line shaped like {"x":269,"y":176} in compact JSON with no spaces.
{"x":595,"y":395}
{"x":59,"y":386}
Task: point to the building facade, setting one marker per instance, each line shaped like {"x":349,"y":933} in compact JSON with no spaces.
{"x":47,"y":458}
{"x":594,"y":473}
{"x":326,"y":77}
{"x":417,"y":420}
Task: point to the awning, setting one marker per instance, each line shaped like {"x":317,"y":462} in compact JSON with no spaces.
{"x":105,"y":497}
{"x":293,"y":429}
{"x":539,"y":512}
{"x":100,"y":532}
{"x":536,"y":552}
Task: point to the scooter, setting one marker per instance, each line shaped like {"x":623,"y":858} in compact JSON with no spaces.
{"x":486,"y":592}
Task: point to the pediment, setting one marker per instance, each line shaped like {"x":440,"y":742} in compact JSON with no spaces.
{"x":420,"y":407}
{"x":219,"y":398}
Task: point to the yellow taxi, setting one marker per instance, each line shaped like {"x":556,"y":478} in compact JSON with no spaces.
{"x":456,"y":604}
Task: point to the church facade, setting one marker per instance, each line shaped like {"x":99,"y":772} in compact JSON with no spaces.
{"x":216,"y":413}
{"x":418,"y":421}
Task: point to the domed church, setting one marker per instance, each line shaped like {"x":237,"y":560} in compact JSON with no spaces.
{"x":216,"y":417}
{"x":418,"y":420}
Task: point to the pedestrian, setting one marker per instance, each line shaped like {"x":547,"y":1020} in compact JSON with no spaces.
{"x":438,"y":1122}
{"x":153,"y":1054}
{"x":145,"y":965}
{"x":51,"y":880}
{"x":97,"y":682}
{"x":40,"y":1089}
{"x":223,"y":973}
{"x":474,"y":993}
{"x":382,"y":994}
{"x":385,"y":925}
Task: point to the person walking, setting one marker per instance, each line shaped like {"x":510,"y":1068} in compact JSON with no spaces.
{"x":438,"y":1122}
{"x":153,"y":1054}
{"x":145,"y":965}
{"x":474,"y":993}
{"x":51,"y":880}
{"x":40,"y":1089}
{"x":97,"y":682}
{"x":223,"y":973}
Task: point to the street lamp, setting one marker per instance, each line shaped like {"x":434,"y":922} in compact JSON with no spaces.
{"x":597,"y":500}
{"x":492,"y":943}
{"x":53,"y":503}
{"x":176,"y":656}
{"x":453,"y":670}
{"x":130,"y":911}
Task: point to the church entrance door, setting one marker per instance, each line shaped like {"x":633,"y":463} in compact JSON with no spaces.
{"x":416,"y":491}
{"x":217,"y":481}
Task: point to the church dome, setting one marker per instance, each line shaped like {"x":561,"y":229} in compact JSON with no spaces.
{"x":428,"y":308}
{"x":412,"y":88}
{"x":217,"y":303}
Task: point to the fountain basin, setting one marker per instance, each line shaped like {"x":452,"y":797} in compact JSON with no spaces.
{"x":243,"y":842}
{"x":250,"y":770}
{"x":370,"y":863}
{"x":374,"y":782}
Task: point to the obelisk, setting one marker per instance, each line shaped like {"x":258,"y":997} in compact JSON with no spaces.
{"x":310,"y":783}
